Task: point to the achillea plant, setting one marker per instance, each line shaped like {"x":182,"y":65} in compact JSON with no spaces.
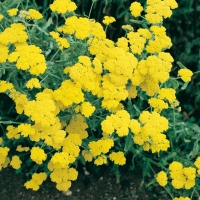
{"x":81,"y":97}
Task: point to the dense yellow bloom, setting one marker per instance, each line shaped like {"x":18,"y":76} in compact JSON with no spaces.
{"x":62,"y":42}
{"x":118,"y":158}
{"x":4,"y":86}
{"x":100,"y":160}
{"x":150,"y":135}
{"x":36,"y":181}
{"x":123,"y":43}
{"x":137,"y":42}
{"x":87,"y":109}
{"x":136,"y":9}
{"x":157,"y":104}
{"x":12,"y":12}
{"x":33,"y":83}
{"x":80,"y":26}
{"x":162,"y":178}
{"x":182,"y":177}
{"x":108,"y":20}
{"x":4,"y":53}
{"x":20,"y":100}
{"x":16,"y":162}
{"x":38,"y":155}
{"x":185,"y":74}
{"x":41,"y":111}
{"x":63,"y":177}
{"x":168,"y":94}
{"x":14,"y":34}
{"x":26,"y":129}
{"x":100,"y":146}
{"x":157,"y":10}
{"x":63,"y":6}
{"x":12,"y":132}
{"x":3,"y":154}
{"x":32,"y":185}
{"x":69,"y":93}
{"x":29,"y":57}
{"x":34,"y":14}
{"x":84,"y":75}
{"x":77,"y":125}
{"x":119,"y":121}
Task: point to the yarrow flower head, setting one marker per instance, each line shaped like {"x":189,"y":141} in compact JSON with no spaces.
{"x":63,"y":6}
{"x":136,"y":9}
{"x":33,"y":83}
{"x":162,"y":178}
{"x":185,"y":74}
{"x":34,"y":14}
{"x":38,"y":155}
{"x":108,"y":20}
{"x":12,"y":12}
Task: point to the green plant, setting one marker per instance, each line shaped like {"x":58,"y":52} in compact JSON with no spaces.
{"x":81,"y":97}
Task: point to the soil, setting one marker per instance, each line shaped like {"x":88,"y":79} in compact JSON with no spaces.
{"x":90,"y":187}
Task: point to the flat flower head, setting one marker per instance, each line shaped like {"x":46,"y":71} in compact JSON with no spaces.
{"x":34,"y":14}
{"x":108,"y":20}
{"x":185,"y":74}
{"x":33,"y":83}
{"x":136,"y":9}
{"x":162,"y":178}
{"x":63,"y":6}
{"x":12,"y":12}
{"x":16,"y":162}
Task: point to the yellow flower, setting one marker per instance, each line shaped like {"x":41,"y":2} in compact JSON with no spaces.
{"x":38,"y":155}
{"x":77,"y":125}
{"x":185,"y":74}
{"x":32,"y":185}
{"x":63,"y":6}
{"x":33,"y":83}
{"x":4,"y":86}
{"x":118,"y":158}
{"x":16,"y":162}
{"x":157,"y":104}
{"x":62,"y":42}
{"x":39,"y":177}
{"x":136,"y":9}
{"x":182,"y":177}
{"x":127,"y":27}
{"x":100,"y":160}
{"x":108,"y":20}
{"x":12,"y":12}
{"x":87,"y":109}
{"x":100,"y":146}
{"x":34,"y":14}
{"x":162,"y":178}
